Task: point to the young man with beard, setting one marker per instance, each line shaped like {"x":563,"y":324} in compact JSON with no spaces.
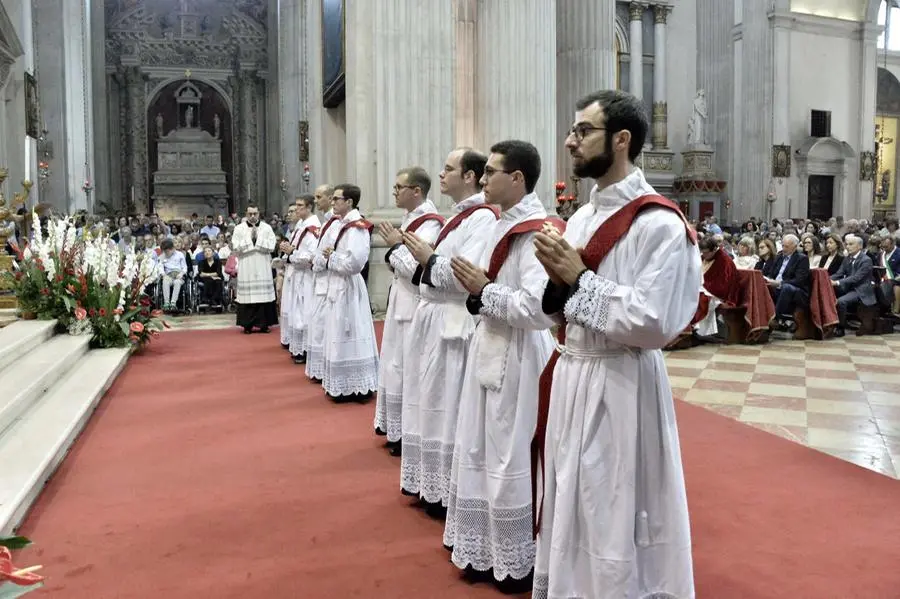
{"x":411,"y":194}
{"x":489,"y":513}
{"x":350,"y":353}
{"x":623,"y":283}
{"x":253,"y":242}
{"x":306,"y":237}
{"x":441,"y":329}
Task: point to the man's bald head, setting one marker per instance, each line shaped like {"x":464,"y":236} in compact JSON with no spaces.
{"x":323,"y":195}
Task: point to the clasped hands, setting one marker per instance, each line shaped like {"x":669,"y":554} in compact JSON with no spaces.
{"x":286,"y":247}
{"x":562,"y":262}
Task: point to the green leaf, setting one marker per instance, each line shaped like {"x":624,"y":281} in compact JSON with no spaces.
{"x":125,"y":328}
{"x":14,"y":542}
{"x":69,"y":304}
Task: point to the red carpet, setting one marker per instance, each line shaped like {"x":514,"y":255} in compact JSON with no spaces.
{"x":214,"y":470}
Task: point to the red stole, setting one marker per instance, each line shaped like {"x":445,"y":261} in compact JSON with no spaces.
{"x":312,"y":228}
{"x":331,"y":221}
{"x":356,"y":224}
{"x":457,"y":220}
{"x":431,"y":216}
{"x":501,"y":250}
{"x":603,"y":240}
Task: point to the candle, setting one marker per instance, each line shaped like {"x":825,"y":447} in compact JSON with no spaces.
{"x":132,"y":194}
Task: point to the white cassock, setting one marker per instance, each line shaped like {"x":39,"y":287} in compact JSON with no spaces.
{"x":615,"y":518}
{"x":317,"y":314}
{"x":351,"y":352}
{"x":402,"y":301}
{"x":254,"y":280}
{"x":489,"y":516}
{"x":302,"y":282}
{"x":287,"y":290}
{"x":433,"y":364}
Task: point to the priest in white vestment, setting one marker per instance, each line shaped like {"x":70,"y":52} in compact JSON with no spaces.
{"x":411,"y":194}
{"x":350,"y":352}
{"x":316,"y":306}
{"x":614,"y":522}
{"x":286,"y":248}
{"x":306,"y":238}
{"x":254,"y":241}
{"x":489,"y":523}
{"x":440,"y":329}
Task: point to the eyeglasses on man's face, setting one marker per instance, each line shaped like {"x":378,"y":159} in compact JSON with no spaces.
{"x":581,"y":130}
{"x":399,"y":188}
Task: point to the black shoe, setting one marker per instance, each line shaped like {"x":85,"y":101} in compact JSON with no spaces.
{"x":511,"y":586}
{"x":436,"y":511}
{"x":264,"y":330}
{"x":299,"y":359}
{"x":408,"y":493}
{"x":380,"y":432}
{"x":285,"y":346}
{"x":316,"y":381}
{"x":396,"y":450}
{"x":247,"y":331}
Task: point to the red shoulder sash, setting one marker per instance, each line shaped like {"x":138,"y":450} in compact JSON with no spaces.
{"x":330,"y":222}
{"x":356,"y":224}
{"x":457,"y":220}
{"x":431,"y":216}
{"x":501,"y":250}
{"x":310,"y":229}
{"x":604,"y":239}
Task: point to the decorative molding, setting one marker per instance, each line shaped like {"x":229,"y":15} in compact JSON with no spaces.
{"x":660,"y":125}
{"x":818,"y":25}
{"x":661,"y":14}
{"x":636,"y":11}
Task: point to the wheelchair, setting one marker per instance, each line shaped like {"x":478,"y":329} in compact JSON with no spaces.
{"x":187,"y":301}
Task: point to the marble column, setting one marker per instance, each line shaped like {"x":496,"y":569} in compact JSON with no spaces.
{"x":249,"y":135}
{"x":585,"y":63}
{"x":137,"y":139}
{"x":49,"y":72}
{"x":660,"y":123}
{"x":102,"y":180}
{"x":636,"y":49}
{"x":291,"y":90}
{"x":465,"y":12}
{"x":78,"y":103}
{"x":867,"y":101}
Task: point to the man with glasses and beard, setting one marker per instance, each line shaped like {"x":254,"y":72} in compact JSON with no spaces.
{"x":253,"y":242}
{"x":613,"y":519}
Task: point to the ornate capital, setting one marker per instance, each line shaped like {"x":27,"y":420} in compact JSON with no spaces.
{"x":636,"y":11}
{"x":661,"y":14}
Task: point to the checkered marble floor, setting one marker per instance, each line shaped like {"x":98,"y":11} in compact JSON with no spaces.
{"x":840,"y":396}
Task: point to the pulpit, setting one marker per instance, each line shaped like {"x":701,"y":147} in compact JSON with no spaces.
{"x":190,"y":178}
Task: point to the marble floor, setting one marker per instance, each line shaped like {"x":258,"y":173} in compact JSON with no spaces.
{"x":840,"y":396}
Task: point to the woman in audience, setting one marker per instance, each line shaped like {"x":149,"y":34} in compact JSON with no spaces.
{"x":746,"y":258}
{"x":811,"y":227}
{"x":767,"y":255}
{"x":813,"y":249}
{"x":873,"y":249}
{"x":834,"y":254}
{"x":210,"y":269}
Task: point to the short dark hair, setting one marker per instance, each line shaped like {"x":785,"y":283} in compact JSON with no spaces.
{"x":417,"y":177}
{"x":350,"y":191}
{"x":520,"y":156}
{"x":624,"y":112}
{"x":473,"y":160}
{"x":166,"y":244}
{"x":252,"y":205}
{"x":209,"y":216}
{"x":708,"y":244}
{"x":307,"y":199}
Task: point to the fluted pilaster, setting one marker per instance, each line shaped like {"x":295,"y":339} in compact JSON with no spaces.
{"x":636,"y":48}
{"x":867,"y":102}
{"x":465,"y":13}
{"x":585,"y":63}
{"x":714,"y":75}
{"x":660,"y":113}
{"x":291,"y":89}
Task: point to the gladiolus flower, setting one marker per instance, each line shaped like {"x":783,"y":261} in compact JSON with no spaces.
{"x":80,"y":313}
{"x":118,"y":311}
{"x":70,"y":288}
{"x":92,"y":312}
{"x":137,"y":327}
{"x":102,"y":312}
{"x":156,"y":313}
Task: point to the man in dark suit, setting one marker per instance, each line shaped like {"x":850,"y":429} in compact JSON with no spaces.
{"x":790,"y":287}
{"x":889,"y":260}
{"x":853,"y":281}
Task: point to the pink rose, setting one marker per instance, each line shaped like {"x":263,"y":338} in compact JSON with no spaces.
{"x":137,"y":327}
{"x":80,"y":313}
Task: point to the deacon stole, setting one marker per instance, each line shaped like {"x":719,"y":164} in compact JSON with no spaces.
{"x":600,"y":244}
{"x":457,"y":220}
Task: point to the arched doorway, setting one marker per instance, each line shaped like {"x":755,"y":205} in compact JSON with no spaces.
{"x":213,"y":105}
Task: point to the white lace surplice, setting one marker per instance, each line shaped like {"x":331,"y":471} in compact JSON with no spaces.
{"x":300,"y":262}
{"x":402,"y":301}
{"x":287,"y":292}
{"x":316,"y":313}
{"x":351,"y":353}
{"x":254,"y":279}
{"x":433,"y":364}
{"x":615,"y":520}
{"x":489,"y":516}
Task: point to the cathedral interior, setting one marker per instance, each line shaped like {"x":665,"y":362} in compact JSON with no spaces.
{"x":784,"y":108}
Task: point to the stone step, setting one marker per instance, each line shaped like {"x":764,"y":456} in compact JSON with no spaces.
{"x":25,"y":380}
{"x":32,"y":449}
{"x":22,"y":336}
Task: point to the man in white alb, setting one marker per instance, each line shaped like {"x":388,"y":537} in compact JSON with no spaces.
{"x":315,"y":306}
{"x":441,"y":329}
{"x":614,"y":522}
{"x":286,"y":248}
{"x":489,"y":524}
{"x":322,"y":195}
{"x":254,"y":241}
{"x":306,"y":231}
{"x":411,"y":194}
{"x":350,"y":369}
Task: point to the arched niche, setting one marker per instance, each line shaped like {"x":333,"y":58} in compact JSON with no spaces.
{"x":162,"y":101}
{"x":887,"y":99}
{"x":821,"y":157}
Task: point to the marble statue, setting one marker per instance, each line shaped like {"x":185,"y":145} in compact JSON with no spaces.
{"x":217,"y":122}
{"x":189,"y":117}
{"x":697,"y":124}
{"x":159,"y":124}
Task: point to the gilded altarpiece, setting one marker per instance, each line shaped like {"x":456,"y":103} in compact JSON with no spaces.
{"x":219,"y":44}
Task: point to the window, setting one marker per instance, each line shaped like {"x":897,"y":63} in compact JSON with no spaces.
{"x":820,"y":123}
{"x":891,"y":22}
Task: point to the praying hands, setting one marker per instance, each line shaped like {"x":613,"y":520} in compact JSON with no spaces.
{"x":420,"y":250}
{"x":391,"y":235}
{"x":562,"y":262}
{"x":472,"y":278}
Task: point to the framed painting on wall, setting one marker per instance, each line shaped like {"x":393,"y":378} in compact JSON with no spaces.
{"x":333,"y":52}
{"x":781,"y":161}
{"x":32,"y":107}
